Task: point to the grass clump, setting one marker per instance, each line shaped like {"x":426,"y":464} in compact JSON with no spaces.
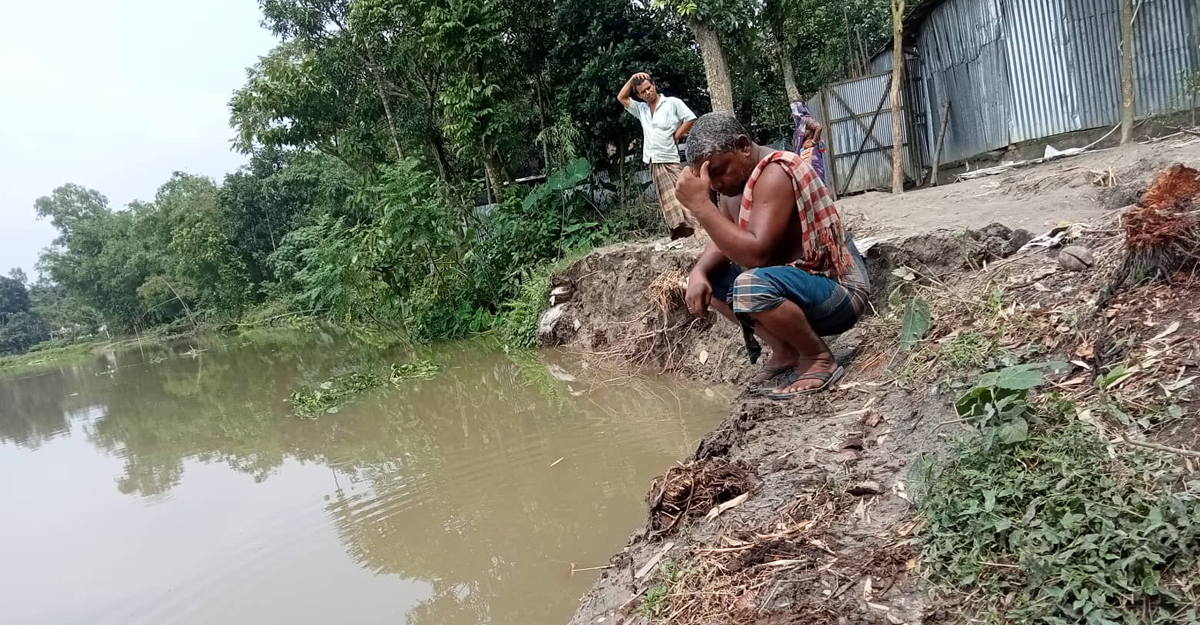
{"x":969,"y":351}
{"x":328,"y":396}
{"x":418,"y":370}
{"x":1038,"y":523}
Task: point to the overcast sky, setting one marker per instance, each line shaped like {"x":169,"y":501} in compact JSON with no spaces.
{"x":114,"y":95}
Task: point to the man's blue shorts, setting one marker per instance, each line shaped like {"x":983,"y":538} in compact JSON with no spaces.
{"x":829,"y":306}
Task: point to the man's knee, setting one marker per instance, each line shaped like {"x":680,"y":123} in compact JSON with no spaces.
{"x":754,"y":292}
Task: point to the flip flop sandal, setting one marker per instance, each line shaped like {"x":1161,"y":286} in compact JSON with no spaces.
{"x":827,"y":378}
{"x":778,"y":374}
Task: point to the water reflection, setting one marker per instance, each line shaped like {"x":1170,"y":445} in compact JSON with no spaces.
{"x":445,"y":487}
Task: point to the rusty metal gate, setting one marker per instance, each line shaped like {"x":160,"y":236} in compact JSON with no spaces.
{"x":857,"y":116}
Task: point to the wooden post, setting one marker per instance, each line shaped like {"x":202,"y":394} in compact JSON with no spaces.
{"x":830,"y":148}
{"x":897,"y":76}
{"x":1127,"y":104}
{"x":941,"y":140}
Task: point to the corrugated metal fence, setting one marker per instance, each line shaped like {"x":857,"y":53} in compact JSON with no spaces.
{"x":1018,"y":70}
{"x":857,"y":115}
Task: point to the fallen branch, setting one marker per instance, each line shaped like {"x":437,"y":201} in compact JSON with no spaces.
{"x":591,"y":568}
{"x":1157,"y":447}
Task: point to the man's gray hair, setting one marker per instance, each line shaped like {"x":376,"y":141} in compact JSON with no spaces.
{"x":712,"y":134}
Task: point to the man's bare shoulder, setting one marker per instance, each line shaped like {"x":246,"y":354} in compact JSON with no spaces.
{"x":774,"y":184}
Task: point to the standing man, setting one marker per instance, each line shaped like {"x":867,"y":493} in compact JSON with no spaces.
{"x":665,"y":122}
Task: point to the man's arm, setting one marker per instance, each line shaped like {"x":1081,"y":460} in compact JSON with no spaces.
{"x":688,"y":118}
{"x":814,"y":129}
{"x":774,"y":205}
{"x":626,"y":91}
{"x":683,"y":131}
{"x":699,"y":288}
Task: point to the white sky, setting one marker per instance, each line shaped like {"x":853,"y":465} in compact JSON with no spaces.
{"x":114,"y":95}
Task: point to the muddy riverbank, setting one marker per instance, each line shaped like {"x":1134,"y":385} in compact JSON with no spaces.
{"x":809,"y":511}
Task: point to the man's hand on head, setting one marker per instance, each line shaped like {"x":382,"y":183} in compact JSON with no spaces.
{"x":694,"y":189}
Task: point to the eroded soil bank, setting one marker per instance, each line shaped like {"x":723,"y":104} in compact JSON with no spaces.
{"x":807,"y":511}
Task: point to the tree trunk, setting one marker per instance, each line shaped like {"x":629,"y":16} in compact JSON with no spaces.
{"x":789,"y":76}
{"x":784,"y":59}
{"x":716,"y":70}
{"x":494,"y":170}
{"x":437,"y":146}
{"x":542,"y":120}
{"x":897,"y":77}
{"x":387,"y":103}
{"x":1127,"y":107}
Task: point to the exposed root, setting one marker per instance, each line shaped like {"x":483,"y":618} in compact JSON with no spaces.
{"x":690,"y":490}
{"x":666,"y":291}
{"x":1162,"y":233}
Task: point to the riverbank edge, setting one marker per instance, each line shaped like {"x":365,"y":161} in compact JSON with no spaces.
{"x":850,"y":452}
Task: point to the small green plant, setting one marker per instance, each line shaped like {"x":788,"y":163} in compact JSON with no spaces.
{"x":418,"y":370}
{"x":328,"y":396}
{"x":969,"y":350}
{"x":1037,"y":522}
{"x":999,"y":400}
{"x":655,"y":597}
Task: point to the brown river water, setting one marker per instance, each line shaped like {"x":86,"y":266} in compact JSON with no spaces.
{"x":173,"y":485}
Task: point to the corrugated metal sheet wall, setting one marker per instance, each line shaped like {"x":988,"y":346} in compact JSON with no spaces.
{"x":1045,"y":99}
{"x":962,"y":49}
{"x":1165,"y":44}
{"x":1017,"y":70}
{"x":1094,"y":39}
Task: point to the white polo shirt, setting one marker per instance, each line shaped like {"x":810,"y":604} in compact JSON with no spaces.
{"x":658,"y":130}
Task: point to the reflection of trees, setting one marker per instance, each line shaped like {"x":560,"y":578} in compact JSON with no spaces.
{"x":445,"y":480}
{"x":36,"y":406}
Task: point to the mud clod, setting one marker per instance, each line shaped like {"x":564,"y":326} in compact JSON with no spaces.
{"x":865,"y":488}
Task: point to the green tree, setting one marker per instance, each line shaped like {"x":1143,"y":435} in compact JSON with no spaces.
{"x":14,"y":297}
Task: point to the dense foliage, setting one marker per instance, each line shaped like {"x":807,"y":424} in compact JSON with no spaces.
{"x":385,"y":142}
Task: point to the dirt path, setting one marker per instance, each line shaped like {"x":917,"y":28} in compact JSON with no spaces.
{"x":1035,"y":198}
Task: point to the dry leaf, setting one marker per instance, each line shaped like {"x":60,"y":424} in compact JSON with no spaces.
{"x":732,"y":503}
{"x":1087,"y":349}
{"x":871,"y":418}
{"x":866,"y":593}
{"x":1038,"y":286}
{"x":1175,"y":386}
{"x":703,"y":356}
{"x":1171,"y":329}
